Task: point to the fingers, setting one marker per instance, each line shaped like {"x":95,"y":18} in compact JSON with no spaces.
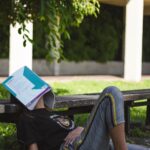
{"x":73,"y":135}
{"x":69,"y":139}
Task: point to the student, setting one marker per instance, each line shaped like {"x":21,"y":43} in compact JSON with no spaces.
{"x":41,"y":129}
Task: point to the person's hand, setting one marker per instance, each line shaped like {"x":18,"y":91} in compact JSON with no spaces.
{"x":73,"y":135}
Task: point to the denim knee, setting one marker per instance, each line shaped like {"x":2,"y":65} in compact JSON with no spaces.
{"x":115,"y":93}
{"x":115,"y":106}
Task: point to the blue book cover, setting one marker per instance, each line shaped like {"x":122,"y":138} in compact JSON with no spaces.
{"x":27,"y":87}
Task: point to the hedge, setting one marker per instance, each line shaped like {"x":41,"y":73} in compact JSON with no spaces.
{"x":97,"y":38}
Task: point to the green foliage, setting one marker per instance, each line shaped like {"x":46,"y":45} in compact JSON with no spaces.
{"x":39,"y":50}
{"x":3,"y":92}
{"x":8,"y":139}
{"x":55,"y":16}
{"x":97,"y":38}
{"x":81,"y":119}
{"x":138,"y":113}
{"x":7,"y":129}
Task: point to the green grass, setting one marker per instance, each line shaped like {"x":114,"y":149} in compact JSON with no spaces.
{"x":90,"y":86}
{"x":8,"y":131}
{"x":138,"y":114}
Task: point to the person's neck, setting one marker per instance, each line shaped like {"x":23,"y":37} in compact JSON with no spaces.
{"x":40,"y":104}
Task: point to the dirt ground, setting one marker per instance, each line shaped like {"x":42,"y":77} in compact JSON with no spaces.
{"x":82,"y":77}
{"x":139,"y":140}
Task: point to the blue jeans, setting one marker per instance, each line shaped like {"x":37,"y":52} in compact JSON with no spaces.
{"x":107,"y":113}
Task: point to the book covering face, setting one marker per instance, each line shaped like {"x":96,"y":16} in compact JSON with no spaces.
{"x":27,"y":87}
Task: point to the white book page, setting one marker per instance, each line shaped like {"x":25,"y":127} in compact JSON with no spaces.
{"x":24,"y":89}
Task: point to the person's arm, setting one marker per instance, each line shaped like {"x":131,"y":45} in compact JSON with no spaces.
{"x":118,"y":137}
{"x":72,"y":135}
{"x":33,"y":146}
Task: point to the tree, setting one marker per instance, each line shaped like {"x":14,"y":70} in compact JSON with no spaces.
{"x":55,"y":15}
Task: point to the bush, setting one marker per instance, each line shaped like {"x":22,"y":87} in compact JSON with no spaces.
{"x":8,"y":138}
{"x":3,"y":92}
{"x":39,"y":36}
{"x":97,"y":38}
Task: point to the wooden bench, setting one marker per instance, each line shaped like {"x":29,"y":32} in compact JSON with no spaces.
{"x":82,"y":103}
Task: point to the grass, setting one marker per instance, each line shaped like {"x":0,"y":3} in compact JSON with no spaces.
{"x":8,"y":131}
{"x":91,"y":86}
{"x":138,"y":114}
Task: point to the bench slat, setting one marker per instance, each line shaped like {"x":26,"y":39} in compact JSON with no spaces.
{"x":81,"y":100}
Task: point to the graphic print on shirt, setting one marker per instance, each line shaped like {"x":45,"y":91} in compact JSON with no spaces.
{"x":63,"y":121}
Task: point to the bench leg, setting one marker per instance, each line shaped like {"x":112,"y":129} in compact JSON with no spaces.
{"x":148,"y":113}
{"x":127,"y":117}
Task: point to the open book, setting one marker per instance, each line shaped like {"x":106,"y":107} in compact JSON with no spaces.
{"x":27,"y":87}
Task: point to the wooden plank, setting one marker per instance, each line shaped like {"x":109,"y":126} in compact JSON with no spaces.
{"x":85,"y":100}
{"x":127,"y":116}
{"x":138,"y":104}
{"x":6,"y":106}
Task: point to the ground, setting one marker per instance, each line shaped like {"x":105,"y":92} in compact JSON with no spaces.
{"x":139,"y":140}
{"x":140,"y":136}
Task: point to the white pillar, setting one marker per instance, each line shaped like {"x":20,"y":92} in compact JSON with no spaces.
{"x":56,"y":68}
{"x":18,"y":54}
{"x":133,"y":40}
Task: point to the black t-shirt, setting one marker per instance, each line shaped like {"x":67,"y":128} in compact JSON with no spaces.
{"x":43,"y":127}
